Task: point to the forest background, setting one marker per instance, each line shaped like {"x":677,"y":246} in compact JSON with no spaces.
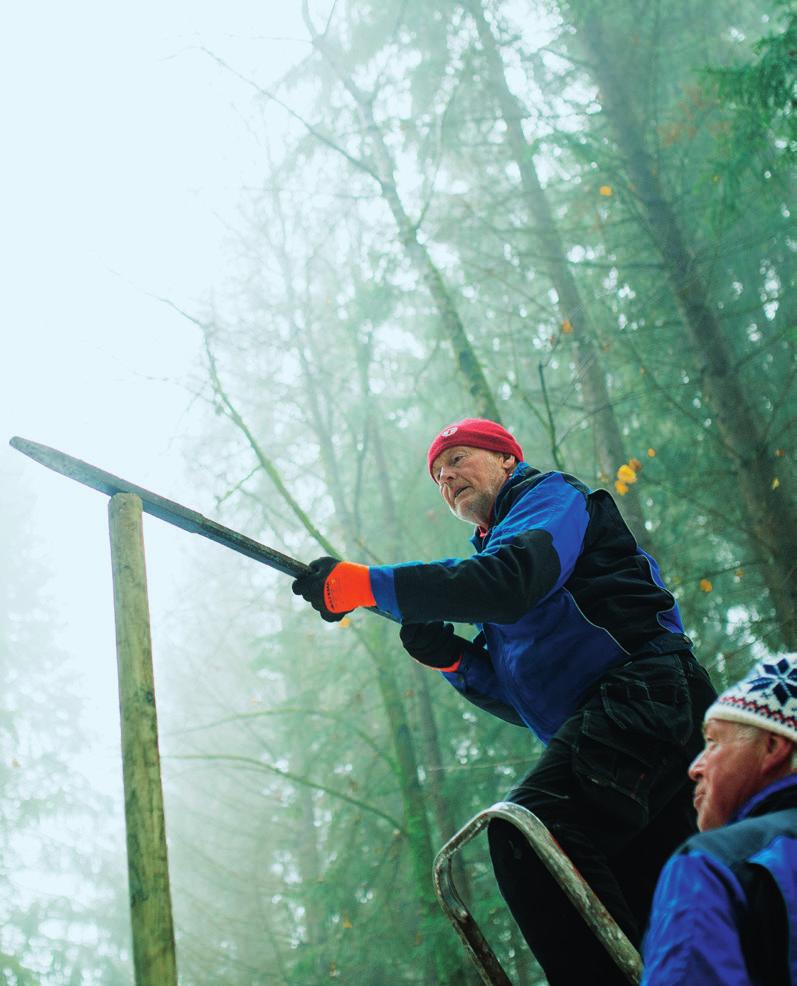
{"x":575,"y":218}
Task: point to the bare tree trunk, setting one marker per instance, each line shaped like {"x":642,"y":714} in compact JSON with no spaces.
{"x":468,"y":362}
{"x":384,"y":172}
{"x":597,"y":401}
{"x":767,"y":498}
{"x":446,"y":964}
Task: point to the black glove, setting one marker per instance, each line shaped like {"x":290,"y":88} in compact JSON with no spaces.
{"x":433,"y":644}
{"x":311,"y":587}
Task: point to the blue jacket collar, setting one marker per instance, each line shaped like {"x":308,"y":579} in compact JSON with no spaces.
{"x":521,"y":472}
{"x":777,"y":795}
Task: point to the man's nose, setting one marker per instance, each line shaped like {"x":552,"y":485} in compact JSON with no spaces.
{"x":696,"y":766}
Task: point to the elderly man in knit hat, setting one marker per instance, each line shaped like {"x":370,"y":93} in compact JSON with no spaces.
{"x":580,"y":641}
{"x":725,"y":910}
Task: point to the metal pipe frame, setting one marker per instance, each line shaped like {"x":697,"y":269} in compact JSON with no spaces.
{"x":583,"y":898}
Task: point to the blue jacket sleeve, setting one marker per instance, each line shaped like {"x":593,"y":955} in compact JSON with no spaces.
{"x":529,"y":554}
{"x":692,"y":937}
{"x":476,"y":680}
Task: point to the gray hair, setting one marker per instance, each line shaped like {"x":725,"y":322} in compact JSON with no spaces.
{"x":748,"y":733}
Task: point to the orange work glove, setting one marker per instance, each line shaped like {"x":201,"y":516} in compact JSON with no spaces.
{"x":335,"y":587}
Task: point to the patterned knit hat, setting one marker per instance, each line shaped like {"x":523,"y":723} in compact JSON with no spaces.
{"x":475,"y":433}
{"x":766,"y":698}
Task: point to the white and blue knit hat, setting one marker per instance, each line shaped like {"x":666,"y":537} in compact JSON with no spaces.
{"x":766,"y":698}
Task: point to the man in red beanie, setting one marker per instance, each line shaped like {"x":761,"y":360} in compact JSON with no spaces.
{"x":579,"y":641}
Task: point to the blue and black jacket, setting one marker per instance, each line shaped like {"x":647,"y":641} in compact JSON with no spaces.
{"x":559,"y":590}
{"x":725,"y":908}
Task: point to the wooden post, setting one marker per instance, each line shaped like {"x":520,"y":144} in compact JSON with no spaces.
{"x":147,"y":865}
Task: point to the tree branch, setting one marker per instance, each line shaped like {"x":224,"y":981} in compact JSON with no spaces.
{"x":288,"y":776}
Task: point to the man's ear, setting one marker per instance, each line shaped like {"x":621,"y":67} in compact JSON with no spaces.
{"x":778,"y":753}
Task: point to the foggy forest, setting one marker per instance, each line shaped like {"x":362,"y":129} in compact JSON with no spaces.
{"x":573,"y":218}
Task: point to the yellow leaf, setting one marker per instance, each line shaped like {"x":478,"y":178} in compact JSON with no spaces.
{"x":345,"y":622}
{"x":620,"y":486}
{"x":635,"y":464}
{"x":705,"y":585}
{"x":780,"y":452}
{"x":651,"y":453}
{"x":347,"y":921}
{"x":775,"y":483}
{"x":605,"y":190}
{"x":567,"y":327}
{"x":739,"y":573}
{"x":626,"y":474}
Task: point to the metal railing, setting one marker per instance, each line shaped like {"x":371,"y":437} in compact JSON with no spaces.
{"x":583,"y":898}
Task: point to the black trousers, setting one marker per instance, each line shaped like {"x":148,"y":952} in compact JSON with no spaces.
{"x":612,"y":788}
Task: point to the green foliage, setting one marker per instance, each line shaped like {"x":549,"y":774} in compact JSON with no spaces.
{"x":454,"y":202}
{"x":764,"y":91}
{"x":463,"y":216}
{"x":757,"y":125}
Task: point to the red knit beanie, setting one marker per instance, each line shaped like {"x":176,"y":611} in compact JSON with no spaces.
{"x":475,"y":433}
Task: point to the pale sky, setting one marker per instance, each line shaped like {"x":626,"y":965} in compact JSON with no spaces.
{"x":126,"y":147}
{"x":125,"y":151}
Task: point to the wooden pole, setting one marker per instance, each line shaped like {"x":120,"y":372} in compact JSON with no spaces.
{"x":147,"y":864}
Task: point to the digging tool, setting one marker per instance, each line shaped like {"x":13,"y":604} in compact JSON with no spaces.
{"x":173,"y":513}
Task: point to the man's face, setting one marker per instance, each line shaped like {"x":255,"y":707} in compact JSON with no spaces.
{"x":728,"y":772}
{"x":469,"y":480}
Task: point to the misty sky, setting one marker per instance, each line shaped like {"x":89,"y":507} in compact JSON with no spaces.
{"x":125,"y":150}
